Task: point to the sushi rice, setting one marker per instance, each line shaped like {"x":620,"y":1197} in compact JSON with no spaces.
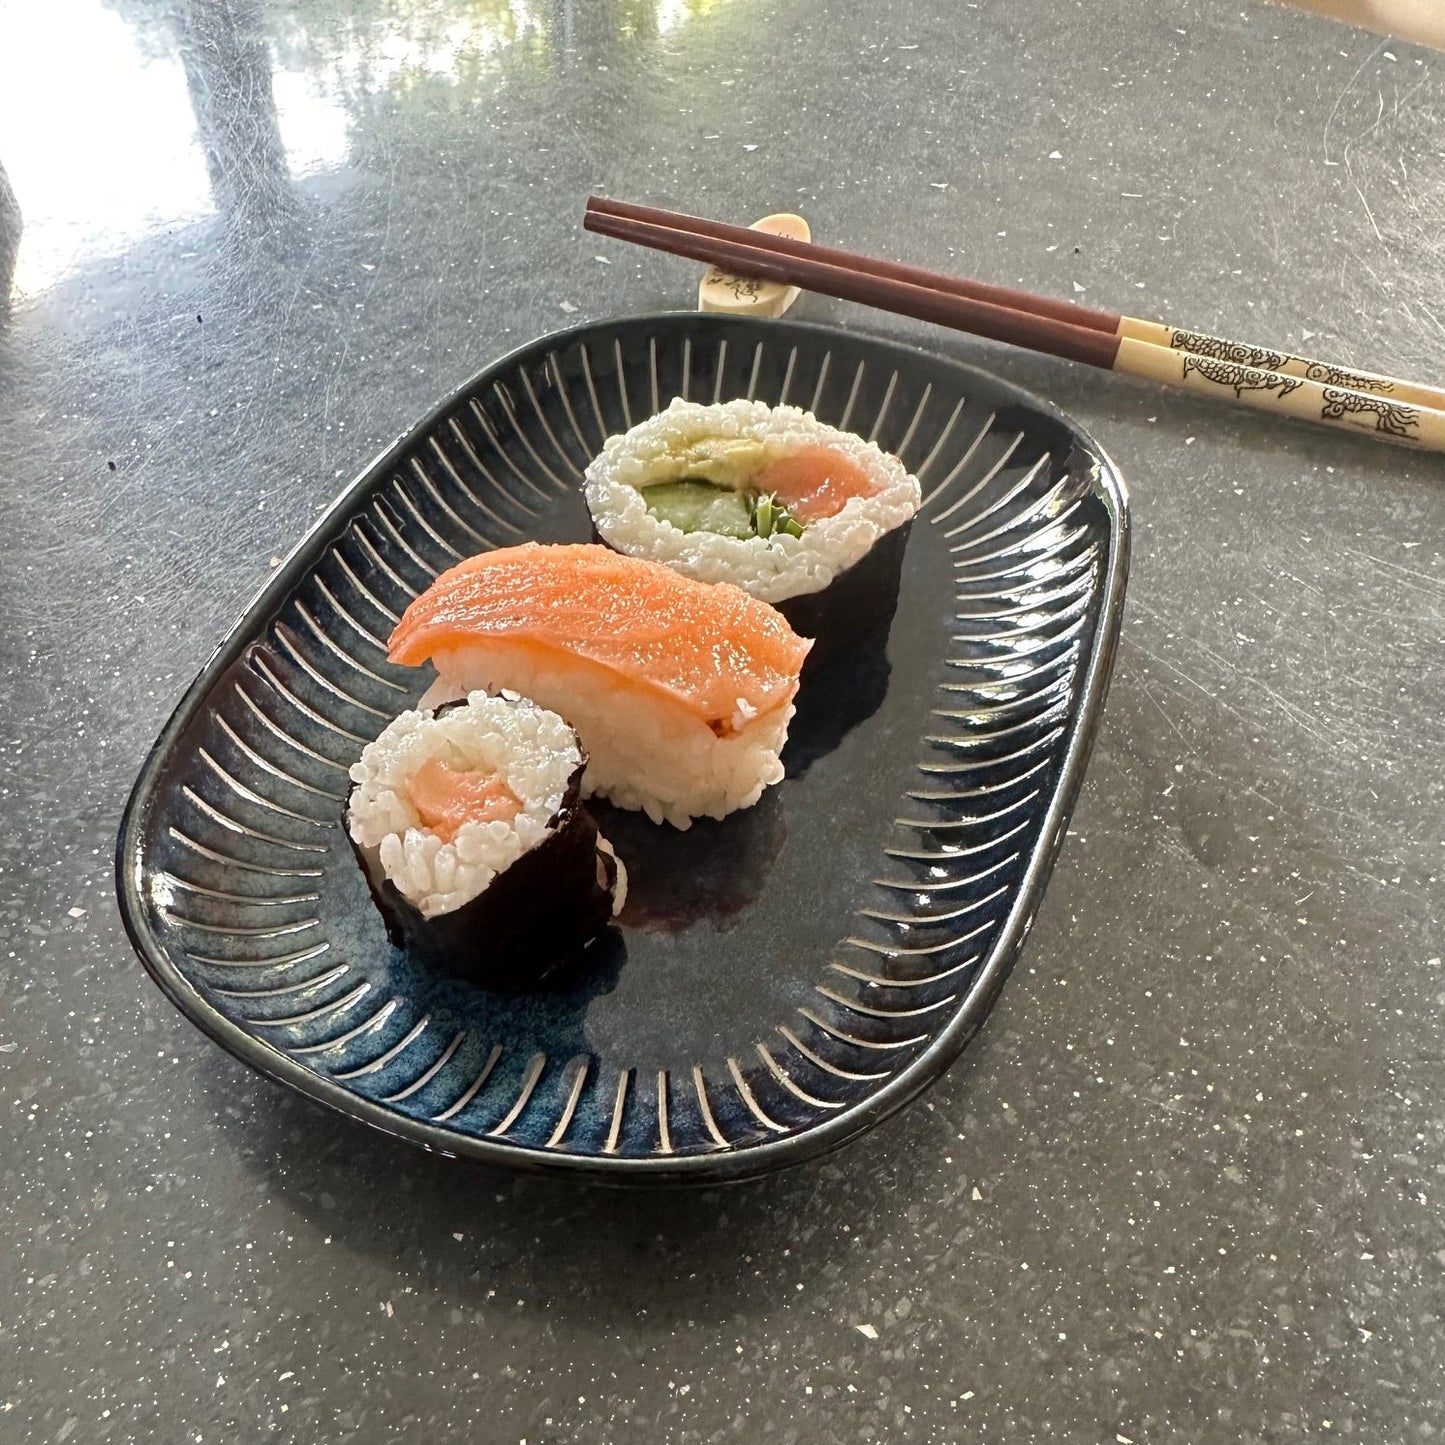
{"x":665,"y":763}
{"x":772,"y":568}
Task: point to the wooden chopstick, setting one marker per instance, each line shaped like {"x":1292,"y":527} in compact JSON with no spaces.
{"x":983,"y":318}
{"x":1064,"y":311}
{"x":1112,"y":322}
{"x":1096,"y":337}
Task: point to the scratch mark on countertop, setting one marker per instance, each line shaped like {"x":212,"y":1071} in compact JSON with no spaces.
{"x":1339,"y":99}
{"x":1435,"y":586}
{"x":1167,"y":719}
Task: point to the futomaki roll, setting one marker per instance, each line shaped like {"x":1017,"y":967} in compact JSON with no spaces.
{"x":479,"y":855}
{"x":799,"y":514}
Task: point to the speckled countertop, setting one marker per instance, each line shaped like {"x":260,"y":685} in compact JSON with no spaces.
{"x":1187,"y":1185}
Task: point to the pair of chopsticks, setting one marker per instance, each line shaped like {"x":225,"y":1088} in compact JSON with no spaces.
{"x":1385,"y":407}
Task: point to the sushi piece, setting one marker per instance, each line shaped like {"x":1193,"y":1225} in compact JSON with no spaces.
{"x":681,"y":693}
{"x":768,"y":498}
{"x":478,"y":853}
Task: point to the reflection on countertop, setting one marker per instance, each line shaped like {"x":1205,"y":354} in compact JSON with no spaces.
{"x":215,"y":109}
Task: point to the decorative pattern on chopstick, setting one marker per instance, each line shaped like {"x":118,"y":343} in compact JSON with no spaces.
{"x":1262,"y":358}
{"x":1267,"y":390}
{"x":1383,"y":407}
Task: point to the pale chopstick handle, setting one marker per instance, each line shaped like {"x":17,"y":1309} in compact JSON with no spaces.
{"x":1416,"y":20}
{"x":1263,"y":358}
{"x":1381,"y":417}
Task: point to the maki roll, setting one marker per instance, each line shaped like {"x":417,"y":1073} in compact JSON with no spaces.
{"x":796,"y":513}
{"x":477,"y":851}
{"x":681,"y":693}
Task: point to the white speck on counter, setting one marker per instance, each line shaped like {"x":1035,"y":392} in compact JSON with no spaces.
{"x":76,"y":912}
{"x":867,"y":1331}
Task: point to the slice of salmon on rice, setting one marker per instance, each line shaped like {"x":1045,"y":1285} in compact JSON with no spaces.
{"x":680,"y":691}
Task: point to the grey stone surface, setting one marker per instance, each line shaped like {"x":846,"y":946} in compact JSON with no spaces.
{"x":1187,"y":1183}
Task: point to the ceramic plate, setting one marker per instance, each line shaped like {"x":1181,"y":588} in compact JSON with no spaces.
{"x":780,"y":981}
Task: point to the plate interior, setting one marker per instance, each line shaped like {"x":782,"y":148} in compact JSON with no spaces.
{"x":781,"y":979}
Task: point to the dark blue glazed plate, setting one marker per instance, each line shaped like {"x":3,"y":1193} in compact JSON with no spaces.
{"x":780,"y":981}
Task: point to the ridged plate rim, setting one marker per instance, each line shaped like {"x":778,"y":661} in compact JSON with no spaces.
{"x":734,"y":1164}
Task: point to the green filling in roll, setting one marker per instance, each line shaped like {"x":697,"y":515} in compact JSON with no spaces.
{"x":696,"y":505}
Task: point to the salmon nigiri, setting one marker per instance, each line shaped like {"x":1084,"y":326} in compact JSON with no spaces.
{"x":680,"y":691}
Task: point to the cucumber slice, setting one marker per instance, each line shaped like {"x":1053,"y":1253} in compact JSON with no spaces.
{"x":692,"y":505}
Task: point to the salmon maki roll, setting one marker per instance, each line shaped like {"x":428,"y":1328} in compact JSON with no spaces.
{"x":680,"y":692}
{"x":766,"y":497}
{"x":478,"y":852}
